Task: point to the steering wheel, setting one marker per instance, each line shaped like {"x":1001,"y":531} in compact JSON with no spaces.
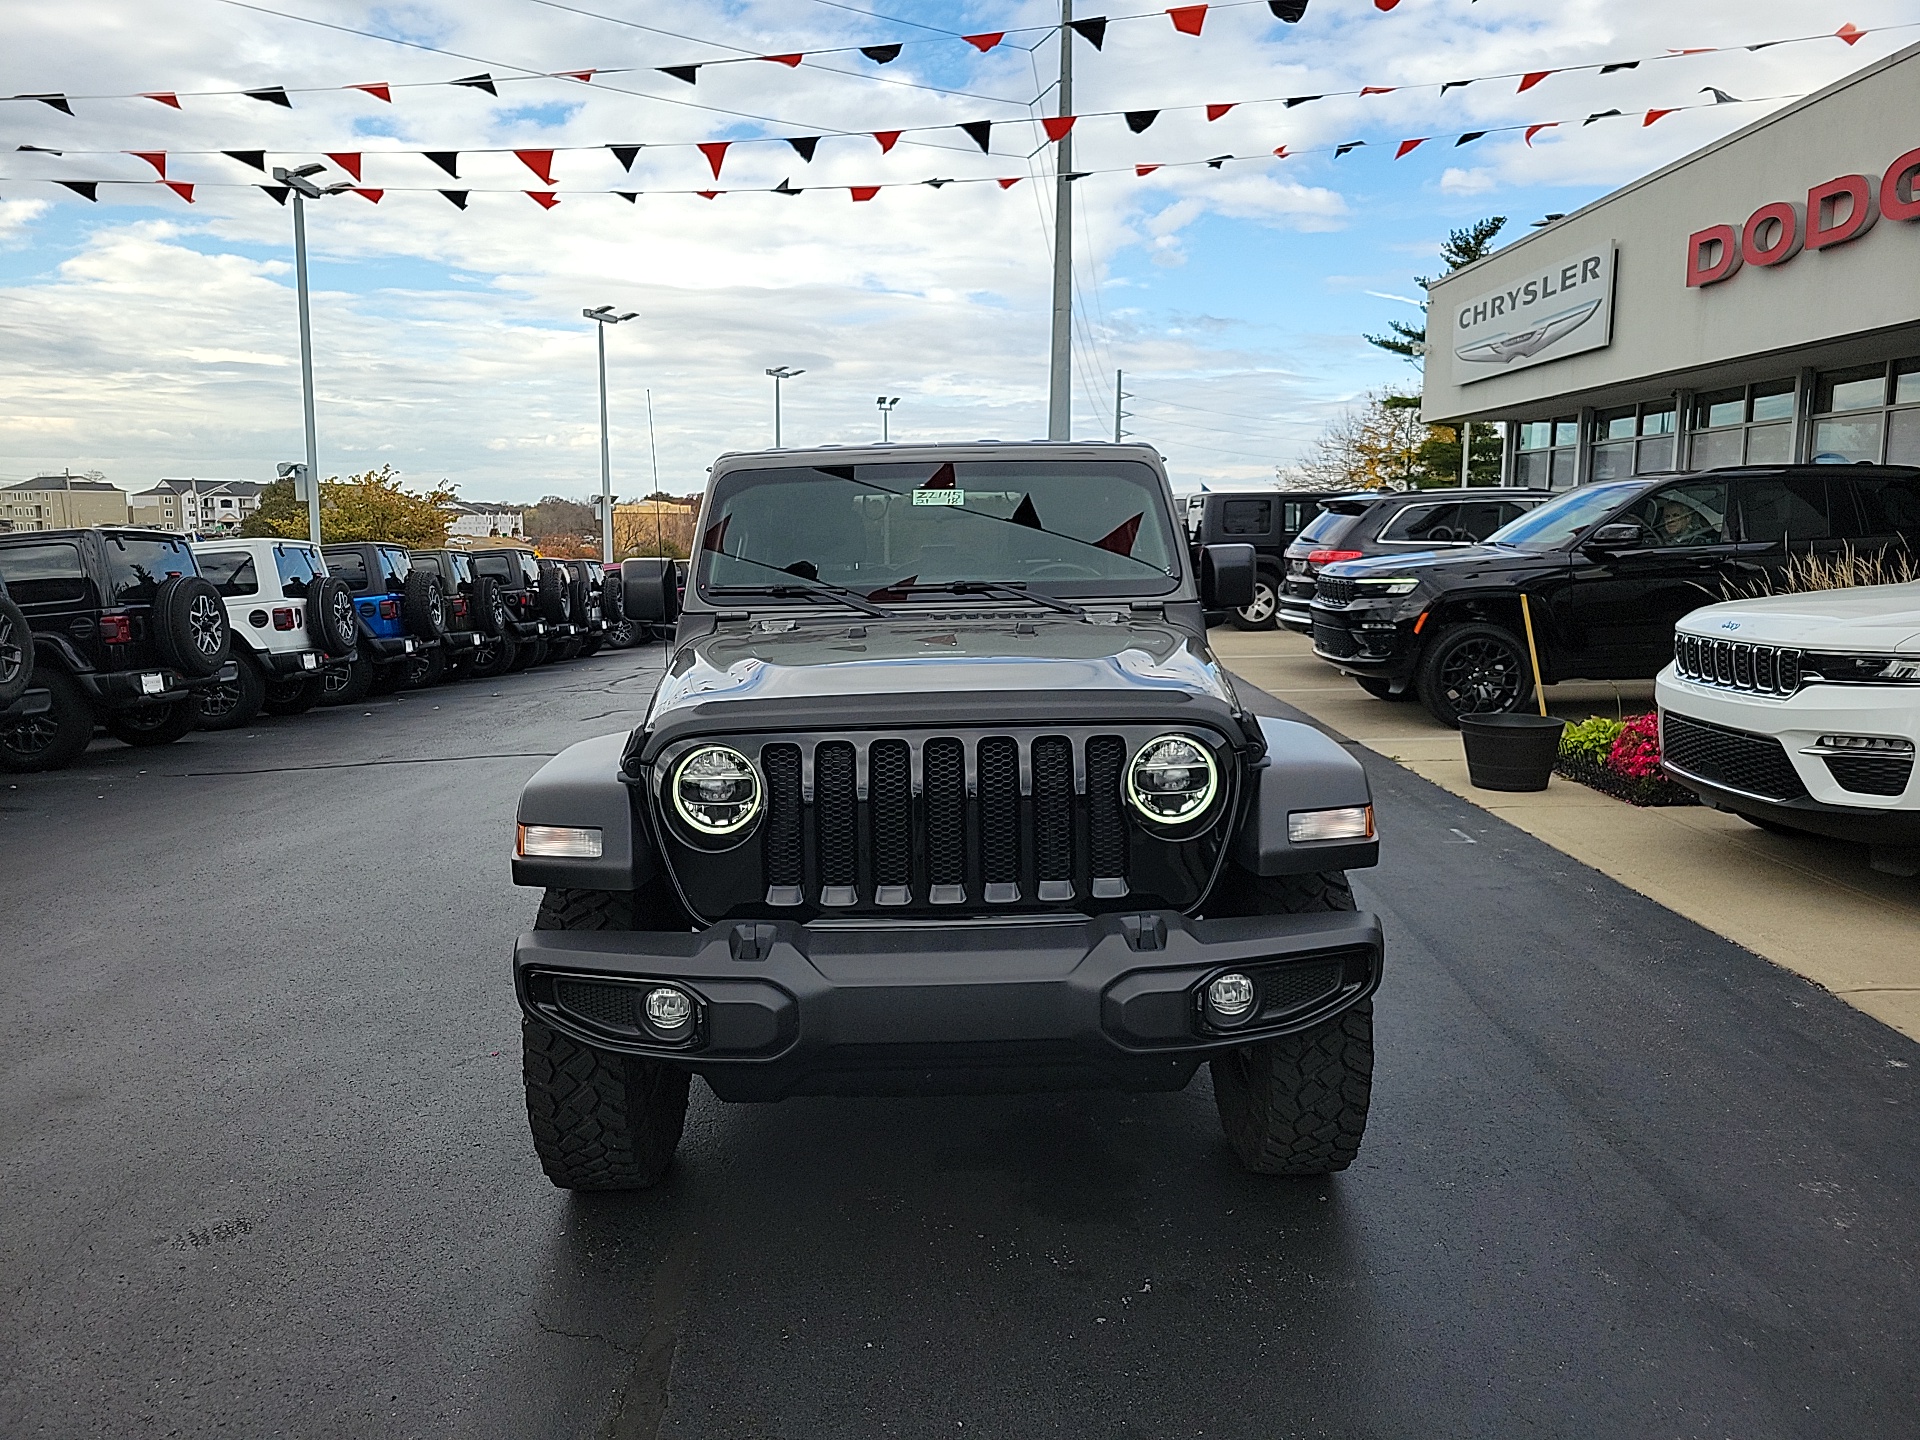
{"x":1064,"y":570}
{"x":1443,"y":533}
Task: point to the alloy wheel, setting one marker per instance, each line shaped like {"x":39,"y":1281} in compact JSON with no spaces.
{"x":30,"y":737}
{"x":12,"y":654}
{"x":335,"y":680}
{"x":206,"y":621}
{"x":218,"y":700}
{"x":1263,"y":606}
{"x":1481,"y":676}
{"x":150,"y":718}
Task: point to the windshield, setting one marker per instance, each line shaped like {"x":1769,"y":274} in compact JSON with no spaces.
{"x":1558,"y":521}
{"x":1069,"y":527}
{"x":136,"y":566}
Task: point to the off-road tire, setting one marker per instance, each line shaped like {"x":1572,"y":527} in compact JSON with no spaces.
{"x":232,"y":704}
{"x":1499,"y":651}
{"x":293,"y":694}
{"x":152,"y":725}
{"x":487,"y":607}
{"x":16,"y":652}
{"x":578,"y":600}
{"x":493,"y":656}
{"x":623,"y":634}
{"x":600,"y":1121}
{"x":566,"y":649}
{"x":423,"y":605}
{"x":591,"y":645}
{"x":1296,"y":1105}
{"x":1264,"y":612}
{"x":54,"y":740}
{"x":555,"y":597}
{"x":424,"y":668}
{"x":531,"y":653}
{"x":190,"y":628}
{"x":333,"y":624}
{"x":347,"y":685}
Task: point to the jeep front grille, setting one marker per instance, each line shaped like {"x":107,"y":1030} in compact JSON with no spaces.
{"x":1334,"y":590}
{"x":1736,"y":665}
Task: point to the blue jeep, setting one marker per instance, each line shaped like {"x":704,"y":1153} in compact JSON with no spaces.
{"x":402,"y":613}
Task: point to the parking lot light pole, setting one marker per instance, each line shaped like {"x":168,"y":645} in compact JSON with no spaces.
{"x":603,"y":316}
{"x":886,"y":414}
{"x":300,"y":183}
{"x":779,"y":373}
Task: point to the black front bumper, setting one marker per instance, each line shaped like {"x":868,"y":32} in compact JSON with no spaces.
{"x":1110,"y":1002}
{"x":1295,"y":603}
{"x":1364,"y":640}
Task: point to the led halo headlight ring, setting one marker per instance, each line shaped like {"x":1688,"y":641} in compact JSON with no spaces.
{"x":716,"y":791}
{"x":1172,"y":779}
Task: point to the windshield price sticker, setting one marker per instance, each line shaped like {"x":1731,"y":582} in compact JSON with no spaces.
{"x":939,"y":497}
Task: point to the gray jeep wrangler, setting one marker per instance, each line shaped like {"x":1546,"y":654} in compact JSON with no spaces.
{"x":942,"y":791}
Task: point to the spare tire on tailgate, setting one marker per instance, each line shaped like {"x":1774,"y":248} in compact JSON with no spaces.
{"x":190,"y":626}
{"x":556,"y":595}
{"x":487,"y":607}
{"x":331,"y":620}
{"x":423,"y":604}
{"x":16,"y":652}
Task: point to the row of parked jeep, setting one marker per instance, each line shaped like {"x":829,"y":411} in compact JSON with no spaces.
{"x":150,"y":635}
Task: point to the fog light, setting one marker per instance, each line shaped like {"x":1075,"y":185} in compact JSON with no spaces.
{"x":1353,"y":822}
{"x":1869,"y":744}
{"x":560,"y":842}
{"x":669,"y":1012}
{"x":1230,"y":999}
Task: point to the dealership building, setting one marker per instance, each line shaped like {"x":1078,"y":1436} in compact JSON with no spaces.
{"x":1755,"y":302}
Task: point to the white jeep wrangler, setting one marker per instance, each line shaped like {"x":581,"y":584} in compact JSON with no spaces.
{"x":291,"y":621}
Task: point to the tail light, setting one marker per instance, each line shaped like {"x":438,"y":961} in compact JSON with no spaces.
{"x":389,"y":609}
{"x":283,"y":618}
{"x":116,"y":629}
{"x":460,"y":607}
{"x":1332,"y":557}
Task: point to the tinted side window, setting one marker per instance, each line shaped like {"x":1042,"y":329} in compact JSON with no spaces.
{"x":427,"y":563}
{"x":350,"y":567}
{"x":43,"y":574}
{"x":1246,"y":517}
{"x":231,"y":571}
{"x":395,"y":565}
{"x":136,"y":567}
{"x":1888,"y":506}
{"x":495,"y":565}
{"x":1691,"y":513}
{"x":1437,"y":523}
{"x":296,"y":564}
{"x":1789,"y":508}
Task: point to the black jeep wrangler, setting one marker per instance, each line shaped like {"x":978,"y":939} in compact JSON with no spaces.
{"x":475,"y":613}
{"x":516,"y":578}
{"x":125,"y":631}
{"x":942,"y":791}
{"x":19,"y":700}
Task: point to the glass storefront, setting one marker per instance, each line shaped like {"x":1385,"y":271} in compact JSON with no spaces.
{"x":1546,"y":453}
{"x":1632,"y":440}
{"x":1746,"y":425}
{"x":1870,"y":413}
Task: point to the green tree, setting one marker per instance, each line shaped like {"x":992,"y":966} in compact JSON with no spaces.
{"x":368,"y":506}
{"x":1461,"y":247}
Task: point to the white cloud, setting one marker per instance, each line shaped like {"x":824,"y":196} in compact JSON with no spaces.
{"x":1456,"y":181}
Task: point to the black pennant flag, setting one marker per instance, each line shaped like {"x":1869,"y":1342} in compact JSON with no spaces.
{"x":278,"y":192}
{"x":936,"y":184}
{"x":458,"y":197}
{"x":272,"y":94}
{"x":624,"y":154}
{"x":881,"y":54}
{"x":1599,"y":115}
{"x":1025,"y":514}
{"x":1301,"y":100}
{"x":688,"y":73}
{"x":1455,"y":85}
{"x":1071,"y":175}
{"x":1218,"y":161}
{"x":256,"y":158}
{"x":1625,"y":65}
{"x":1469,"y":138}
{"x":804,"y":146}
{"x":785,"y":187}
{"x":1721,"y":97}
{"x":38,"y":150}
{"x":85,"y":189}
{"x":980,"y":130}
{"x":58,"y":102}
{"x":1290,"y":11}
{"x":1093,"y":31}
{"x":1340,"y":150}
{"x":1138,"y":120}
{"x":632,"y":197}
{"x":447,"y":160}
{"x":478,"y":82}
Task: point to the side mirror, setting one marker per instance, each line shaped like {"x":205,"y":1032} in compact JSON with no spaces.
{"x":650,"y":591}
{"x":1620,"y":535}
{"x":1226,"y":576}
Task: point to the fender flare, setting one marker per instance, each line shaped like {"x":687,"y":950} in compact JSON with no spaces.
{"x":581,"y":787}
{"x":1303,"y":770}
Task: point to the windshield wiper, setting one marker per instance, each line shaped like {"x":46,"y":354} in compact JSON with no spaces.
{"x":851,"y":599}
{"x":994,"y":589}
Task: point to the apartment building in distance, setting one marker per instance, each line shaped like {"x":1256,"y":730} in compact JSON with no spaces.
{"x":60,"y":502}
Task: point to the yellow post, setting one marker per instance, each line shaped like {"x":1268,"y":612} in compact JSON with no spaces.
{"x":1533,"y":654}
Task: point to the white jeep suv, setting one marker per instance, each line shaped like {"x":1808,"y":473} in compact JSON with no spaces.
{"x":290,"y":620}
{"x":1802,"y":712}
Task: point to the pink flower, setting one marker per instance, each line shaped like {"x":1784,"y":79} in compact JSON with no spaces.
{"x":1636,"y":751}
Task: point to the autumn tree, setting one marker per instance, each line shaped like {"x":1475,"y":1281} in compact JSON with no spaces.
{"x":368,"y":506}
{"x":1374,"y":445}
{"x":556,"y":520}
{"x":1461,"y":247}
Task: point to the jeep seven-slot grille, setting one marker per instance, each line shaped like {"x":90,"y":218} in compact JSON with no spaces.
{"x":1753,"y":764}
{"x":1736,"y":665}
{"x":1334,"y":589}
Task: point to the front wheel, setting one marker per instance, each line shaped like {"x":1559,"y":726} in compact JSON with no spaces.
{"x":233,"y":704}
{"x":1264,"y":612}
{"x":1474,"y":670}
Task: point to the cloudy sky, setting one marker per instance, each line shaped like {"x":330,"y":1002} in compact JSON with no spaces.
{"x":147,"y":337}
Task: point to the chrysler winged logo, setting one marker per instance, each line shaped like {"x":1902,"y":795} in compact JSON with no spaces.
{"x":1505,"y":349}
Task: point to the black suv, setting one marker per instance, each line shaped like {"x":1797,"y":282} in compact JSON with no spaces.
{"x":559,"y":597}
{"x":516,"y":576}
{"x":125,"y":632}
{"x":473,"y":617}
{"x":1352,"y":527}
{"x":942,"y":791}
{"x":18,"y":699}
{"x":1265,"y":519}
{"x":589,"y":607}
{"x":1605,"y":570}
{"x":401,"y":612}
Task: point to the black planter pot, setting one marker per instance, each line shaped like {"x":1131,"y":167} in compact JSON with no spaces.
{"x":1511,"y":752}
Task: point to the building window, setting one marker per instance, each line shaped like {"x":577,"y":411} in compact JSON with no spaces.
{"x":1747,"y":425}
{"x":1546,"y":453}
{"x":1633,"y":440}
{"x":1870,"y":413}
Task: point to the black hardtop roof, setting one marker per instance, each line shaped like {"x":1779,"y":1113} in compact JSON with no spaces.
{"x":141,"y":531}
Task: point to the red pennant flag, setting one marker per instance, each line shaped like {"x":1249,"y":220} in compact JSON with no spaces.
{"x":156,"y":158}
{"x":1279,"y":152}
{"x":1008,"y":184}
{"x":1850,"y":33}
{"x":1057,"y":126}
{"x":583,"y":76}
{"x":887,"y":138}
{"x":1653,"y":115}
{"x":715,"y":151}
{"x":1378,"y":89}
{"x":348,"y":163}
{"x":984,"y":43}
{"x":1214,"y":112}
{"x":787,"y":60}
{"x":942,"y":479}
{"x":545,"y":199}
{"x":1145,"y":169}
{"x":184,"y":191}
{"x":1533,"y":130}
{"x":863,"y":192}
{"x":1384,"y":5}
{"x":540,"y":162}
{"x":1407,"y":147}
{"x":1188,"y":19}
{"x":372,"y":197}
{"x":165,"y":97}
{"x":1120,"y":539}
{"x":381,"y":91}
{"x":1531,"y":79}
{"x":709,"y":194}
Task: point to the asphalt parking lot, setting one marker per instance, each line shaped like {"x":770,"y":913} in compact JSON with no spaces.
{"x":264,"y":1167}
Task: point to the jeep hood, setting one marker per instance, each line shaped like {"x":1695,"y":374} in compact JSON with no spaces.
{"x":1864,"y":619}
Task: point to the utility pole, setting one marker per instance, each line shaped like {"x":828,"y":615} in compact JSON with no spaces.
{"x":1466,"y":453}
{"x":603,"y":316}
{"x":300,"y":183}
{"x":1059,"y":392}
{"x":779,"y":373}
{"x":1118,"y":413}
{"x":886,"y":415}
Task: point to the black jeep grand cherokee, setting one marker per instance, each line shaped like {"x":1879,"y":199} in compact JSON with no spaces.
{"x":942,"y":790}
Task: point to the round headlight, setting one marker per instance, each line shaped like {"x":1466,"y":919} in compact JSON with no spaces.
{"x":1172,"y":779}
{"x":716,"y":790}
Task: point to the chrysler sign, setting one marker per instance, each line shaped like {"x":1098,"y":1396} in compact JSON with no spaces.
{"x":1560,"y":309}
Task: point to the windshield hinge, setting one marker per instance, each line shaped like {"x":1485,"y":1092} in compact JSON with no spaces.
{"x":1148,"y":607}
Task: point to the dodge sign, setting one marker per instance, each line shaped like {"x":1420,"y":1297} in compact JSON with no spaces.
{"x":1560,"y":309}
